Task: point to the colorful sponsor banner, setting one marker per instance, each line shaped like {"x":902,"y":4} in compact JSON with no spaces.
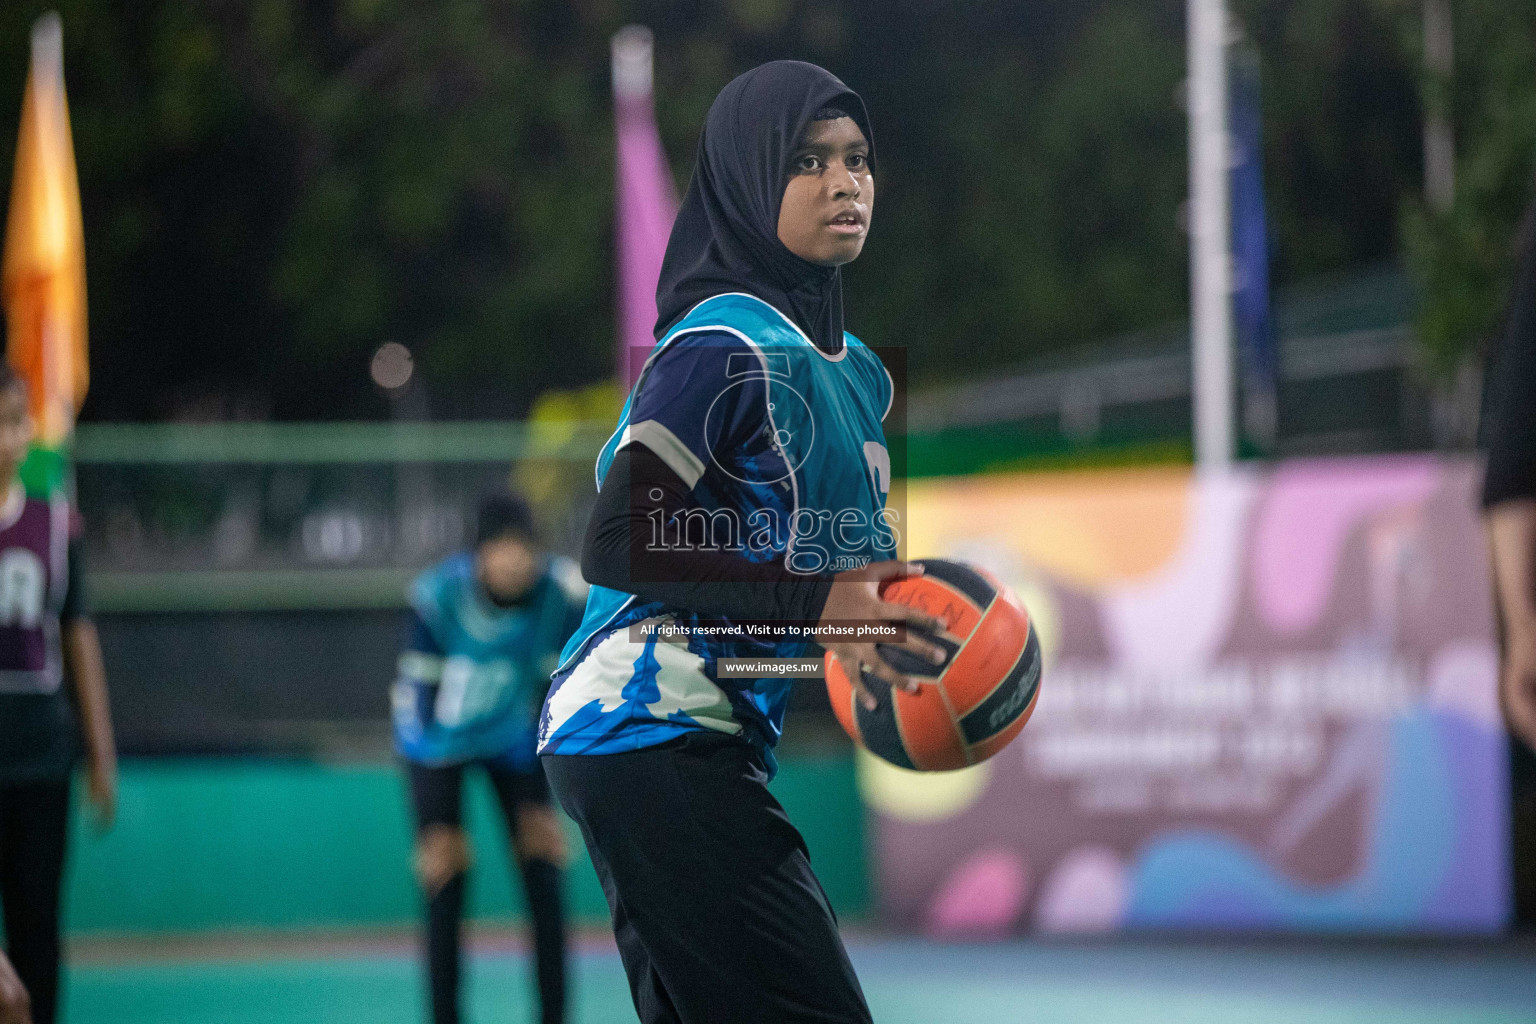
{"x":1269,"y":703}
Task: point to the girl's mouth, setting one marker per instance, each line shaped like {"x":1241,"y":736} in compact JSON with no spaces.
{"x":847,"y":224}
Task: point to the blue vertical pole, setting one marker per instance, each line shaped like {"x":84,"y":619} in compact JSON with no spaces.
{"x":1253,"y":324}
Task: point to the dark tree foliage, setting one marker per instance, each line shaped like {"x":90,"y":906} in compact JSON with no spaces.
{"x":275,"y":187}
{"x":1342,"y":128}
{"x":1464,"y":258}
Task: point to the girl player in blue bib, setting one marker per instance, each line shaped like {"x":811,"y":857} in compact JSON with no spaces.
{"x":745,"y":485}
{"x":485,"y":630}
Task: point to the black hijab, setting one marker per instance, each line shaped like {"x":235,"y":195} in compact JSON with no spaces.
{"x":725,"y":238}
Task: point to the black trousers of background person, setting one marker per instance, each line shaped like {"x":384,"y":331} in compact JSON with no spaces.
{"x":34,"y":824}
{"x":437,"y":799}
{"x":718,"y":916}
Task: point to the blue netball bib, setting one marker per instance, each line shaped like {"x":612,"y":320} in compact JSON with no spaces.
{"x":472,"y":677}
{"x":783,"y":448}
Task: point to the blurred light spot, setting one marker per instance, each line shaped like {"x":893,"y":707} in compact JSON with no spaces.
{"x":333,"y":536}
{"x":392,"y":366}
{"x":918,"y":796}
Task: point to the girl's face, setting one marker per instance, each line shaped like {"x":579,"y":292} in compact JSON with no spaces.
{"x":830,"y":197}
{"x":508,"y":566}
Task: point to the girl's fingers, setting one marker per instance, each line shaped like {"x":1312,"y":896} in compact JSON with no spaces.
{"x":880,"y":571}
{"x":878,"y":667}
{"x":924,"y":648}
{"x":913,"y":617}
{"x":850,"y":665}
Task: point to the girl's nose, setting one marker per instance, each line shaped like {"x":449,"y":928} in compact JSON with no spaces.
{"x":846,"y":184}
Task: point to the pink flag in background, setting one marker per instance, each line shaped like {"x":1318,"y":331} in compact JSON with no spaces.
{"x":646,"y":198}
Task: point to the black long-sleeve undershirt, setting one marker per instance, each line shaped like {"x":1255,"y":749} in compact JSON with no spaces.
{"x":641,"y":490}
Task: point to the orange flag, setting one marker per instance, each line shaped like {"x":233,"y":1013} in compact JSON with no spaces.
{"x":43,"y":276}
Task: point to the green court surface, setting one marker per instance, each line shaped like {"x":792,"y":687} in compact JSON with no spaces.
{"x":907,"y":981}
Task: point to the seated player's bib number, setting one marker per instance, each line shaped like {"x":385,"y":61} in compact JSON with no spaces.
{"x":471,"y":690}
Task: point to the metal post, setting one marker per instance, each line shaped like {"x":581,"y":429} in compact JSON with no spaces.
{"x":1210,"y":234}
{"x":632,"y":49}
{"x":1439,"y":142}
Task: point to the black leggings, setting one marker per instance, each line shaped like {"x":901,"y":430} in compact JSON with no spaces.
{"x":437,"y":798}
{"x":718,"y":916}
{"x":34,"y":822}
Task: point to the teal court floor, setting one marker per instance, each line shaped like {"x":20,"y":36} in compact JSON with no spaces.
{"x":907,"y":982}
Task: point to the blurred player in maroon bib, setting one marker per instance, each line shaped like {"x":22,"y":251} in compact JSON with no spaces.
{"x":53,"y":702}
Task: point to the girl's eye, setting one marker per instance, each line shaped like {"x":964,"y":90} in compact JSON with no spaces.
{"x":857,"y":160}
{"x":807,"y":163}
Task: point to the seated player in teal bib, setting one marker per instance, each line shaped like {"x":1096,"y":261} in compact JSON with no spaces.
{"x":485,"y":629}
{"x":745,"y":485}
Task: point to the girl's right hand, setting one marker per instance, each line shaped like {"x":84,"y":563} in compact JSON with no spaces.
{"x":855,"y":597}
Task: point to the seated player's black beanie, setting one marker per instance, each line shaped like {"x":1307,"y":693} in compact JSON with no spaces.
{"x":501,"y":513}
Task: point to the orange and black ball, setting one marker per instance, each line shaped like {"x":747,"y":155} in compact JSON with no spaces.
{"x":969,"y":707}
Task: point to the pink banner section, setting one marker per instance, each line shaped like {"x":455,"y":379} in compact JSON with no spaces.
{"x":645,"y":197}
{"x":1269,"y":704}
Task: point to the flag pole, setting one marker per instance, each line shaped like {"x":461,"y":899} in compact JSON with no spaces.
{"x":633,"y":53}
{"x":1210,"y":235}
{"x":645,"y":200}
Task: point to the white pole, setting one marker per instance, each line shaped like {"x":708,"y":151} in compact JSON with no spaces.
{"x":631,"y":49}
{"x":1210,"y":234}
{"x":1439,"y":140}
